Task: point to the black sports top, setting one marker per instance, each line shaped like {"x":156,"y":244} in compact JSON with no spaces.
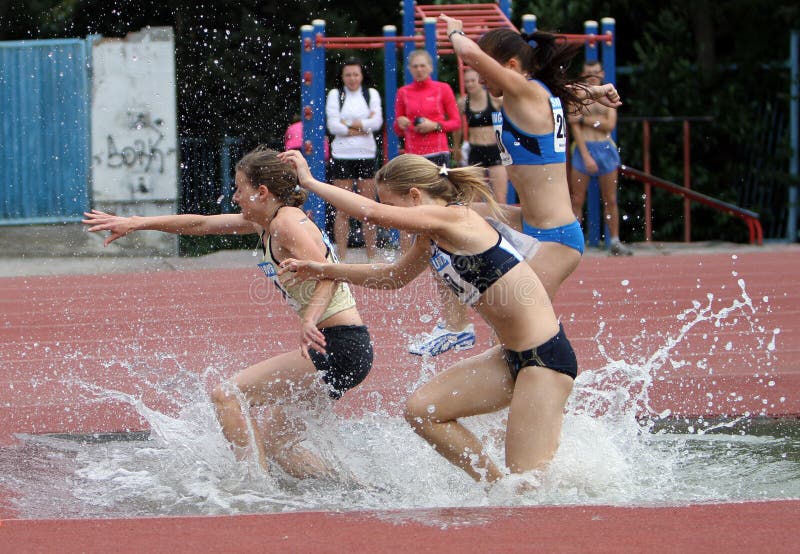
{"x":469,"y":275}
{"x":478,"y":119}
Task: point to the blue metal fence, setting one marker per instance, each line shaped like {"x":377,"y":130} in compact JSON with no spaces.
{"x":44,"y":131}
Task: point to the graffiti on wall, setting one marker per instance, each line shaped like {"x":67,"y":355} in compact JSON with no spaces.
{"x":146,"y":154}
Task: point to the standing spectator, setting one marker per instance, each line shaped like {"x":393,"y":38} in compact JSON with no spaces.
{"x":477,"y":106}
{"x":426,"y":111}
{"x":596,"y":155}
{"x":353,"y":112}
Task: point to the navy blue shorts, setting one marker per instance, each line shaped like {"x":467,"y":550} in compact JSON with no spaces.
{"x":352,"y":169}
{"x":484,"y":155}
{"x":347,"y":359}
{"x":556,"y":354}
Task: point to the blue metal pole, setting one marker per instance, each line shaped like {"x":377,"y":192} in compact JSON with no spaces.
{"x":314,"y":126}
{"x":529,"y":23}
{"x":390,"y":91}
{"x":794,"y":162}
{"x":505,"y":7}
{"x":608,"y":27}
{"x":408,"y":31}
{"x":590,"y":49}
{"x":430,"y":44}
{"x":593,"y":206}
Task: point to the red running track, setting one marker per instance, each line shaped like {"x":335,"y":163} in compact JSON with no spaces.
{"x":55,"y":331}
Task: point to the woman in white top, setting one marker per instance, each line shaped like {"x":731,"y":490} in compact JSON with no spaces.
{"x":353,"y":112}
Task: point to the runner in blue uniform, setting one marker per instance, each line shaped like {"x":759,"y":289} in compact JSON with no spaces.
{"x":531,"y":131}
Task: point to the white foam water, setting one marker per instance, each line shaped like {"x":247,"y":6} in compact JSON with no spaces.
{"x":615,"y":449}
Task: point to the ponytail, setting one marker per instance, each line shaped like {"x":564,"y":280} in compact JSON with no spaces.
{"x":460,"y":185}
{"x":548,"y":61}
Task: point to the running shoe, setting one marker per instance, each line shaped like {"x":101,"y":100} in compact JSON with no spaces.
{"x":441,"y":340}
{"x":617,"y":248}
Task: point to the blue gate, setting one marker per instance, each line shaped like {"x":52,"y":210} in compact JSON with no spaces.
{"x":44,"y":131}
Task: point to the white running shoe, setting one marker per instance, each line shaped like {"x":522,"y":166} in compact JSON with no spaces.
{"x":441,"y":340}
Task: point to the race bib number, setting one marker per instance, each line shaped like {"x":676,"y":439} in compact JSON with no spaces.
{"x":560,"y":130}
{"x":497,"y":123}
{"x":272,"y":275}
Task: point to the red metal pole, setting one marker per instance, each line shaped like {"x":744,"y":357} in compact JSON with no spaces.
{"x":648,"y":202}
{"x":687,"y":182}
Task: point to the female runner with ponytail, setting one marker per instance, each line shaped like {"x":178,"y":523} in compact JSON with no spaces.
{"x":531,"y":130}
{"x":530,"y":371}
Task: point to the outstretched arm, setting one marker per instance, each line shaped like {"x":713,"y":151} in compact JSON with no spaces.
{"x":419,"y":219}
{"x":373,"y":276}
{"x":181,"y":224}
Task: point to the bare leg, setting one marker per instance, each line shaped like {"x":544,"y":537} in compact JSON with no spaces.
{"x":288,"y":377}
{"x":578,"y":183}
{"x":553,"y":263}
{"x":281,"y":436}
{"x":498,"y":178}
{"x":478,"y":385}
{"x":608,"y":190}
{"x":454,"y":312}
{"x":367,"y":188}
{"x":535,"y":418}
{"x":341,"y":223}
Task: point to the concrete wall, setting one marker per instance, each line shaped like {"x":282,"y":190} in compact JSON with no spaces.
{"x":135,"y":131}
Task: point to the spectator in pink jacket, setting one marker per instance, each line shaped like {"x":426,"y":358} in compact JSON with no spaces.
{"x":425,"y":111}
{"x":293,"y":138}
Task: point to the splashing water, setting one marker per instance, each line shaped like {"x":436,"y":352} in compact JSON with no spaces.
{"x":615,"y":449}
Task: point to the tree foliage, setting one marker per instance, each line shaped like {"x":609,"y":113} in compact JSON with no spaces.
{"x":238,"y":75}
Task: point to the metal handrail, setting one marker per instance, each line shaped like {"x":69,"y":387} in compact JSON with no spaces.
{"x":750,"y":218}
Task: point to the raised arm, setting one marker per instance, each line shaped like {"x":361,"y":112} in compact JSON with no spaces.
{"x":512,"y":82}
{"x":419,"y":219}
{"x":181,"y":224}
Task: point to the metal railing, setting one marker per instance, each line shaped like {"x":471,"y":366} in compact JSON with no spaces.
{"x":750,"y":218}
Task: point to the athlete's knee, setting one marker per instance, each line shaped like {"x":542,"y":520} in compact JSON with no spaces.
{"x":420,"y":410}
{"x":224,"y":395}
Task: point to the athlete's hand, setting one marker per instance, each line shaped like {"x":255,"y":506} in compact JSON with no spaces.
{"x":101,"y":221}
{"x":300,"y":164}
{"x":606,"y":95}
{"x":302,"y":270}
{"x":591,"y":165}
{"x":311,"y":337}
{"x":452,"y":24}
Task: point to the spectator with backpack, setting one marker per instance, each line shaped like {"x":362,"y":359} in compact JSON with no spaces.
{"x":353,"y":112}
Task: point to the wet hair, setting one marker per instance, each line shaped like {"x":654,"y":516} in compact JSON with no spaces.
{"x":262,"y":166}
{"x":459,"y":185}
{"x":366,"y":80}
{"x":548,"y":61}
